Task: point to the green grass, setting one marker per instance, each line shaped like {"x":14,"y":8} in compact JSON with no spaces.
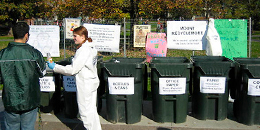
{"x":256,"y":33}
{"x":255,"y":49}
{"x":6,"y":37}
{"x":140,"y":53}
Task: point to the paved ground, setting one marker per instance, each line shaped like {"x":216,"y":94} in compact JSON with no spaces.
{"x":60,"y":122}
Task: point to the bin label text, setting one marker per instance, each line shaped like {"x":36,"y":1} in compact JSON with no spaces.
{"x":172,"y":86}
{"x":69,"y":83}
{"x":212,"y":84}
{"x":121,"y":85}
{"x":254,"y":87}
{"x":47,"y":84}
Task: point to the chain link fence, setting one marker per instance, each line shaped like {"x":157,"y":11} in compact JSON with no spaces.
{"x":70,"y":47}
{"x":128,"y":40}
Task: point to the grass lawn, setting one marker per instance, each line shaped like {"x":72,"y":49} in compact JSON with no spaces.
{"x":140,"y":53}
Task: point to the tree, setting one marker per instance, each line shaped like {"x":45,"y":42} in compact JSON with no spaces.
{"x":155,"y":8}
{"x":12,"y":10}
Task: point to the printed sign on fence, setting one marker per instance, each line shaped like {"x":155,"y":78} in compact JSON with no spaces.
{"x":186,"y":35}
{"x":121,"y":85}
{"x":140,"y":32}
{"x":156,"y":45}
{"x":172,"y":86}
{"x":254,"y":87}
{"x":70,"y":25}
{"x":105,"y":37}
{"x":69,"y":83}
{"x":47,"y":84}
{"x":46,"y":39}
{"x":212,"y":84}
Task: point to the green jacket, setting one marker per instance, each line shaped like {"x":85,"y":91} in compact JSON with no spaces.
{"x":21,"y":66}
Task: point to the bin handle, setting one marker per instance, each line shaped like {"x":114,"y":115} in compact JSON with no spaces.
{"x":170,"y":98}
{"x":213,"y":96}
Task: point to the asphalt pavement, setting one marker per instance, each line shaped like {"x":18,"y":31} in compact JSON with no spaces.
{"x":50,"y":121}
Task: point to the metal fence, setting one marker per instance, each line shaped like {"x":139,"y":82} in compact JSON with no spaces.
{"x":126,"y":39}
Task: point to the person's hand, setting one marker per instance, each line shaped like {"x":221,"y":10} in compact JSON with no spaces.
{"x":51,"y":65}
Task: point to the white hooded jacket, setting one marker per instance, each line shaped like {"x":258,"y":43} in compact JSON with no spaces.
{"x":83,"y":66}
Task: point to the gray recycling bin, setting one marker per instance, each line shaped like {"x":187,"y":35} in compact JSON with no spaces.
{"x":211,"y":77}
{"x":124,"y":80}
{"x":170,"y":83}
{"x":247,"y":102}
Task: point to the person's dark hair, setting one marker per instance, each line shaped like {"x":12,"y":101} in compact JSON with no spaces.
{"x":20,"y":29}
{"x":81,"y":30}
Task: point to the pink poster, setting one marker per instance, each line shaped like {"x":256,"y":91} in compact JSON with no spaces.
{"x":156,"y":45}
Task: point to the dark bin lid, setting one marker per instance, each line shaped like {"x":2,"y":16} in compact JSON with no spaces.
{"x":170,"y":60}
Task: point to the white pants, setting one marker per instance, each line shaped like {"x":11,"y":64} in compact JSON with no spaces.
{"x":88,"y":109}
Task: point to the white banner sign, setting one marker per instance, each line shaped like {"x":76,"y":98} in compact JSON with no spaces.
{"x":105,"y":37}
{"x":172,"y":86}
{"x":69,"y":83}
{"x":140,"y":32}
{"x":47,"y":84}
{"x":254,"y":87}
{"x":45,"y":38}
{"x":186,"y":35}
{"x":70,"y":25}
{"x":212,"y":84}
{"x":121,"y":85}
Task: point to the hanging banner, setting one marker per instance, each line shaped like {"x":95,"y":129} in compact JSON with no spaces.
{"x":69,"y":83}
{"x":233,"y":37}
{"x":212,"y":84}
{"x":140,"y":32}
{"x":47,"y":84}
{"x":253,"y":87}
{"x":121,"y":85}
{"x":186,"y":35}
{"x":70,"y":25}
{"x":213,"y":47}
{"x":106,"y":38}
{"x":156,"y":45}
{"x":46,"y":39}
{"x":172,"y":86}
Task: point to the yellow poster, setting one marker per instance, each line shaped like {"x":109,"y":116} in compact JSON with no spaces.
{"x":140,"y":32}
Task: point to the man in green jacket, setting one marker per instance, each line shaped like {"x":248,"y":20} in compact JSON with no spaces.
{"x":21,"y":66}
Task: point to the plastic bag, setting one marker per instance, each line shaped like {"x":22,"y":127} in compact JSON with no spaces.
{"x":213,"y":47}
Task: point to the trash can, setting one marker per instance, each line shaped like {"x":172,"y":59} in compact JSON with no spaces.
{"x":211,"y":77}
{"x":247,"y":102}
{"x":70,"y":98}
{"x":50,"y":100}
{"x":170,"y":83}
{"x":101,"y":88}
{"x":124,"y":83}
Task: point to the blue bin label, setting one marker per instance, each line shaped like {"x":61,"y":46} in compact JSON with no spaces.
{"x":47,"y":84}
{"x":69,"y":83}
{"x":254,"y":87}
{"x":172,"y":86}
{"x":121,"y":85}
{"x":212,"y":84}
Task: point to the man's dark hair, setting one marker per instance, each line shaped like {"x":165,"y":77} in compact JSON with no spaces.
{"x":20,"y":29}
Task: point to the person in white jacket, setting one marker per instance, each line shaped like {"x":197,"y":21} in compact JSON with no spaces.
{"x":84,"y":68}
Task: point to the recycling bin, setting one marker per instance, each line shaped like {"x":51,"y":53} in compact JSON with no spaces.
{"x":247,"y":102}
{"x":70,"y":98}
{"x":170,"y":83}
{"x":50,"y":100}
{"x":124,"y":82}
{"x":211,"y":78}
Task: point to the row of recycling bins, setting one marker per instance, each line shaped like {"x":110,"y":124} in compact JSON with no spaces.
{"x":207,"y":80}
